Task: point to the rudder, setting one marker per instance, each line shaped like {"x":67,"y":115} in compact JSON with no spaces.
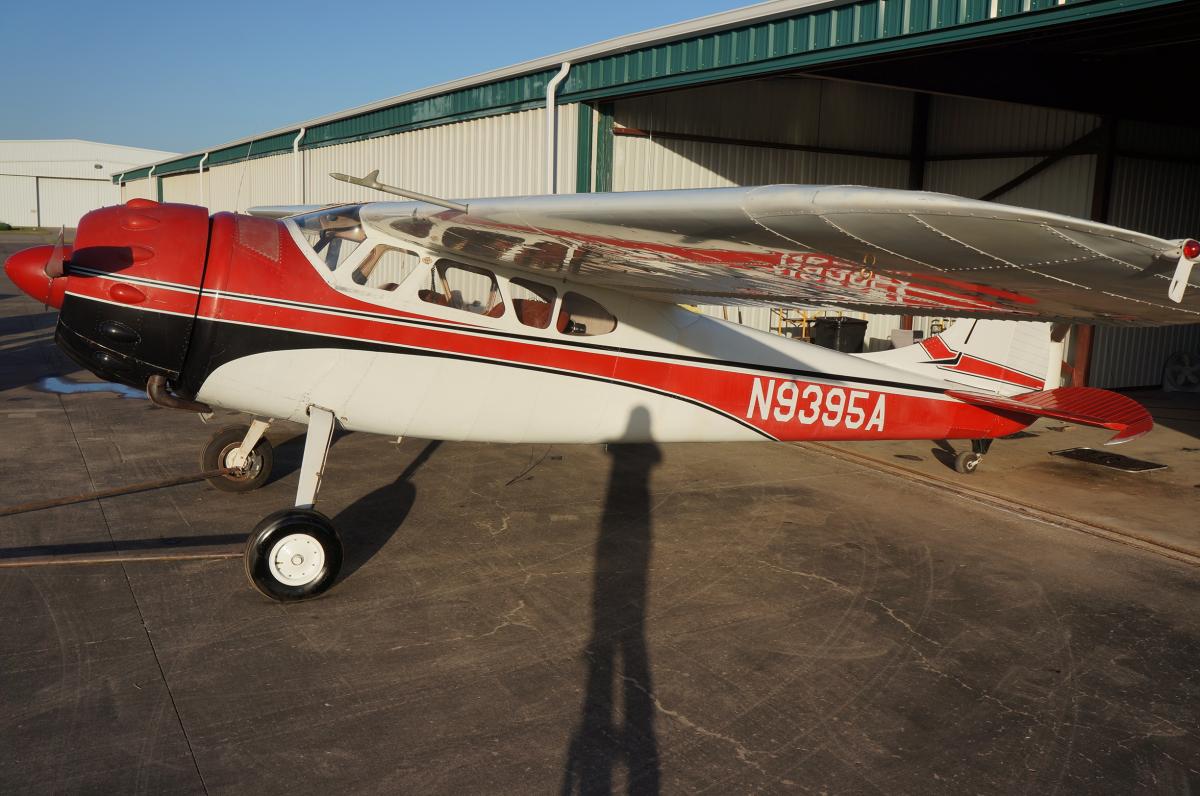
{"x":1002,"y":357}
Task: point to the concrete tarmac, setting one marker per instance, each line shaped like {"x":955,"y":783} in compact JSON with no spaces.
{"x":568,"y":619}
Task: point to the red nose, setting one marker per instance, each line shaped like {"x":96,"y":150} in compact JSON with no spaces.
{"x":27,"y":270}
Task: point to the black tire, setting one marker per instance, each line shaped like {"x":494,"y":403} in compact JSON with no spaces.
{"x":258,"y":466}
{"x":311,"y":529}
{"x":967,"y":462}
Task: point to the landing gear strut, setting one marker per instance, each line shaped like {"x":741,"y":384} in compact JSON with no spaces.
{"x":295,"y":553}
{"x":244,"y":452}
{"x":967,"y":462}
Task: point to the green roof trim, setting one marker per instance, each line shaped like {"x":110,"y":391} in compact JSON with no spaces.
{"x":809,"y":37}
{"x":820,"y":37}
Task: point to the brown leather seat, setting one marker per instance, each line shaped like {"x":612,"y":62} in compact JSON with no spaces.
{"x":532,"y":313}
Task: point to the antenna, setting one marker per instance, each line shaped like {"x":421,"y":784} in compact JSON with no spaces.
{"x":372,"y":181}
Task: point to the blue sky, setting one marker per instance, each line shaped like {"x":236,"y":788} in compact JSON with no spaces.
{"x":180,"y":76}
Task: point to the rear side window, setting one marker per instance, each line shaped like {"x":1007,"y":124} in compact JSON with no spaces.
{"x":532,"y":302}
{"x":385,"y":268}
{"x":464,"y":287}
{"x":580,"y":316}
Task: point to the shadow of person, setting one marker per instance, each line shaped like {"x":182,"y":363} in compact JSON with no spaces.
{"x":616,"y":654}
{"x":369,"y":522}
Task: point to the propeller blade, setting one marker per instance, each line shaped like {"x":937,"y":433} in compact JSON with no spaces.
{"x":54,"y":266}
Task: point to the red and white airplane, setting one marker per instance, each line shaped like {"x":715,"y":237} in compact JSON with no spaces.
{"x":558,"y":319}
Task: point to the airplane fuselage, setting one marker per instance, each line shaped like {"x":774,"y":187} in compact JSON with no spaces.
{"x":272,"y":330}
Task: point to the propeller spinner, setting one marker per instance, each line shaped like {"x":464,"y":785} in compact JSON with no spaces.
{"x":40,"y":271}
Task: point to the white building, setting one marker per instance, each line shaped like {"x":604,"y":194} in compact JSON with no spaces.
{"x":54,"y":182}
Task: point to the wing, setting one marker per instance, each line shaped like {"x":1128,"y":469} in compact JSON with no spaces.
{"x":864,"y":249}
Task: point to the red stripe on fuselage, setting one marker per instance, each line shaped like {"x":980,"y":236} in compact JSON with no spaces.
{"x":158,"y":298}
{"x":725,"y":390}
{"x":235,"y":269}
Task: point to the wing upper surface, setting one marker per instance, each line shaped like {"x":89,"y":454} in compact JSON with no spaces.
{"x":869,"y":249}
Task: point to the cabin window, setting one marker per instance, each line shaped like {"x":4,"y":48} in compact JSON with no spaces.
{"x":581,"y":316}
{"x":464,"y":287}
{"x":333,"y":233}
{"x":386,"y":267}
{"x":532,"y":303}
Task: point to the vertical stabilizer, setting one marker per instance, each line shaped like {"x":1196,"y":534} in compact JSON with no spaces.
{"x":1002,"y":357}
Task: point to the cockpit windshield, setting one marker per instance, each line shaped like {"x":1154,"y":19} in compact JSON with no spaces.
{"x":332,"y":232}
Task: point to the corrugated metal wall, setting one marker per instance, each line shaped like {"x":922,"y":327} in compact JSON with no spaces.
{"x":18,"y":200}
{"x":1135,"y":357}
{"x":138,"y":189}
{"x":1160,"y":196}
{"x":52,"y":201}
{"x":785,"y":111}
{"x":493,"y":156}
{"x":182,"y":188}
{"x":959,"y":126}
{"x":64,"y":202}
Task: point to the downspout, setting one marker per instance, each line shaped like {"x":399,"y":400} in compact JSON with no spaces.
{"x":150,"y":184}
{"x":297,"y":178}
{"x":203,"y":198}
{"x":552,"y":128}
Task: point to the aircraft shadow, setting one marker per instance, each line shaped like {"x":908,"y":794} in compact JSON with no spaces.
{"x":368,"y":523}
{"x":945,"y":451}
{"x":617,"y":658}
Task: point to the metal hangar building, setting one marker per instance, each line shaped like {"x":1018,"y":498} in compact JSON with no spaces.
{"x":52,"y":183}
{"x":1073,"y":106}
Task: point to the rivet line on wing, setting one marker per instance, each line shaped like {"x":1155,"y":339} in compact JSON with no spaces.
{"x":880,"y":248}
{"x":950,"y":237}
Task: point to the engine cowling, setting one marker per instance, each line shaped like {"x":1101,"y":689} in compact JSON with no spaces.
{"x":132,"y":288}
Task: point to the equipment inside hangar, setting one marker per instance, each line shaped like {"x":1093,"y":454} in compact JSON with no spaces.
{"x":1073,"y":107}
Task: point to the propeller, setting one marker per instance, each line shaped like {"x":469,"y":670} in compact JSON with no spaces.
{"x":54,"y":266}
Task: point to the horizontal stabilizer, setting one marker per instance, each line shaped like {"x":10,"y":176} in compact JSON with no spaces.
{"x":1087,"y":406}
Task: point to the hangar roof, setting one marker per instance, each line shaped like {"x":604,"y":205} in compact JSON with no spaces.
{"x":789,"y":36}
{"x":70,"y":157}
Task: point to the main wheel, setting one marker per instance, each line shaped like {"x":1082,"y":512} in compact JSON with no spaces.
{"x":293,"y":554}
{"x":219,"y":453}
{"x":967,"y":462}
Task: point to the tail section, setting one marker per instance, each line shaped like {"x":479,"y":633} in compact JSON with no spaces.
{"x":1087,"y":406}
{"x":1001,"y":357}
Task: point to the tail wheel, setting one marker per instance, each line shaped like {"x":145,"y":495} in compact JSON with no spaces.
{"x":967,"y":462}
{"x":293,"y":554}
{"x":219,"y":453}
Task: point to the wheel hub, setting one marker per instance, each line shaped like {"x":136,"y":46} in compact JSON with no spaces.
{"x":249,"y":468}
{"x":296,"y":559}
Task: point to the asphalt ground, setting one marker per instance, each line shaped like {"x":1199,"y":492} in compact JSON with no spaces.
{"x":570,"y":619}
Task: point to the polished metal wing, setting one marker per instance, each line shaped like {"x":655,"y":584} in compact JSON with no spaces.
{"x":865,"y":249}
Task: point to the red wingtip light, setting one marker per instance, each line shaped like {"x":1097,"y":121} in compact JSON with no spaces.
{"x":1191,"y":249}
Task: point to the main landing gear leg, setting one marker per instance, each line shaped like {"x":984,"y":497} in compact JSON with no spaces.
{"x":968,"y":462}
{"x":295,"y":553}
